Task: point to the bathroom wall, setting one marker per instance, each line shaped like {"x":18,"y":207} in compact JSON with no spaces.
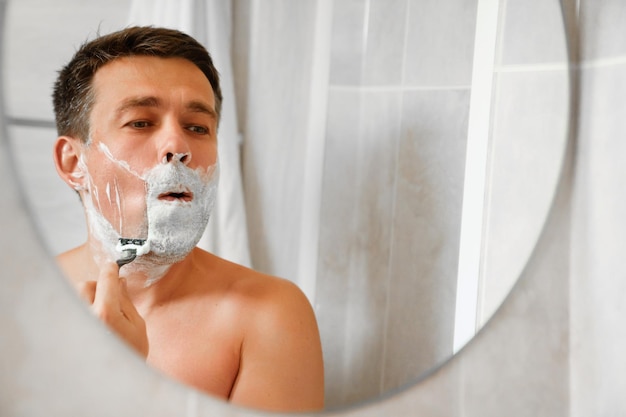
{"x":392,"y":191}
{"x":598,"y":279}
{"x":529,"y":130}
{"x":393,"y":138}
{"x":392,"y":143}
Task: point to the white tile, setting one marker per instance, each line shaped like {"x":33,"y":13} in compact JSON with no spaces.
{"x":530,"y":126}
{"x":532,"y":32}
{"x":37,"y":46}
{"x":435,"y":56}
{"x":383,"y":60}
{"x":348,"y":42}
{"x":426,"y":233}
{"x":602,"y":25}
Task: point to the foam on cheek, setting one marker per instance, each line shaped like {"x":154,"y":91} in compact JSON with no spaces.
{"x":114,"y":201}
{"x":102,"y":231}
{"x":165,"y":219}
{"x":76,"y":185}
{"x":174,"y":228}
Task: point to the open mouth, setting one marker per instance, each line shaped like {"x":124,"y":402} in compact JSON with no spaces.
{"x":180,"y":196}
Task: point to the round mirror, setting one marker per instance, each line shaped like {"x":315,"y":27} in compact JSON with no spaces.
{"x":397,"y":159}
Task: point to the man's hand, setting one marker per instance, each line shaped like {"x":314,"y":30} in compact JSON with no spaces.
{"x":110,"y":302}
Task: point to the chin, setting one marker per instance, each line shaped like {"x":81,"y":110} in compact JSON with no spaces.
{"x":165,"y":255}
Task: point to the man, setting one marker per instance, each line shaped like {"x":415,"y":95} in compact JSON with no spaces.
{"x":137,"y":113}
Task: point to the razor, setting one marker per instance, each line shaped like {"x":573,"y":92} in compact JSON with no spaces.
{"x":131,"y":248}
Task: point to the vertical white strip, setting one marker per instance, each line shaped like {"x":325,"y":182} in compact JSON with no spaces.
{"x":475,"y":172}
{"x":315,"y":140}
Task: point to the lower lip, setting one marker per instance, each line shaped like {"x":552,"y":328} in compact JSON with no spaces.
{"x":185,"y":199}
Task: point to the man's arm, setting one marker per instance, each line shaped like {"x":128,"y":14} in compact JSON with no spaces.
{"x":281,"y":365}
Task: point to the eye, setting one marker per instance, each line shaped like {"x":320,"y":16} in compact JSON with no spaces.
{"x":201,"y":130}
{"x":139,"y":124}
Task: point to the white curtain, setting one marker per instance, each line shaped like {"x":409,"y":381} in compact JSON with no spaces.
{"x":209,"y":21}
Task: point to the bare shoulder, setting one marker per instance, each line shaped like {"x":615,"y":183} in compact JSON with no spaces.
{"x":278,"y":304}
{"x":281,"y":365}
{"x":269,"y":297}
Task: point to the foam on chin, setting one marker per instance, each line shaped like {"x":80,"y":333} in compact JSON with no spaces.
{"x":175,"y":228}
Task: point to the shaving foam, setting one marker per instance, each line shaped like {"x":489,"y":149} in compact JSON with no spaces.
{"x":175,"y":227}
{"x":78,"y":175}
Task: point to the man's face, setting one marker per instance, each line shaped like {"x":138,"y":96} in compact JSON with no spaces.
{"x":149,"y":113}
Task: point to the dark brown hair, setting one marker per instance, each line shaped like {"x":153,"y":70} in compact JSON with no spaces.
{"x":73,"y":95}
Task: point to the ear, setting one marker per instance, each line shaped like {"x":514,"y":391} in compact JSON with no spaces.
{"x":67,"y":153}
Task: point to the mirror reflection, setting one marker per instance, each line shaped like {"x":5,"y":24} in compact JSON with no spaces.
{"x":395,"y":160}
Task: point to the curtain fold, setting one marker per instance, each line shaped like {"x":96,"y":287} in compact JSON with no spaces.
{"x":209,"y":21}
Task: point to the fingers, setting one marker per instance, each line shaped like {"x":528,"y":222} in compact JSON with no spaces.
{"x":107,"y":293}
{"x":139,"y":336}
{"x":112,"y":304}
{"x":126,"y":305}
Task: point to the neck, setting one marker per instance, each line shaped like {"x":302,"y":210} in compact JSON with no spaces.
{"x":146,"y":294}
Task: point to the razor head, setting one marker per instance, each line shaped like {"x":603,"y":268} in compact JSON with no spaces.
{"x":128,"y":248}
{"x":130,"y":241}
{"x":128,"y":255}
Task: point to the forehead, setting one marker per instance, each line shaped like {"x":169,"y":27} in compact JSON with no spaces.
{"x":151,"y":76}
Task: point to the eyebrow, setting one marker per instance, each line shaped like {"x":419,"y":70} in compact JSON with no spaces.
{"x":195,"y":106}
{"x":200,"y":107}
{"x":134,"y":102}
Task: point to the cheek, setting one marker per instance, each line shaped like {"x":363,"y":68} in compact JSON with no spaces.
{"x":118,"y":194}
{"x":135,"y":159}
{"x":204,"y":157}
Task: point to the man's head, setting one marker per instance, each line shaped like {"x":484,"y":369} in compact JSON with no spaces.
{"x":137,"y":113}
{"x":73,"y":95}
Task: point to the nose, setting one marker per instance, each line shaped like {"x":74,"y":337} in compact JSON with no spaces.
{"x":177,"y":157}
{"x":173,"y":145}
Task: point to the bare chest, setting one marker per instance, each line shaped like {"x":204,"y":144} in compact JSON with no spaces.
{"x":201,"y":350}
